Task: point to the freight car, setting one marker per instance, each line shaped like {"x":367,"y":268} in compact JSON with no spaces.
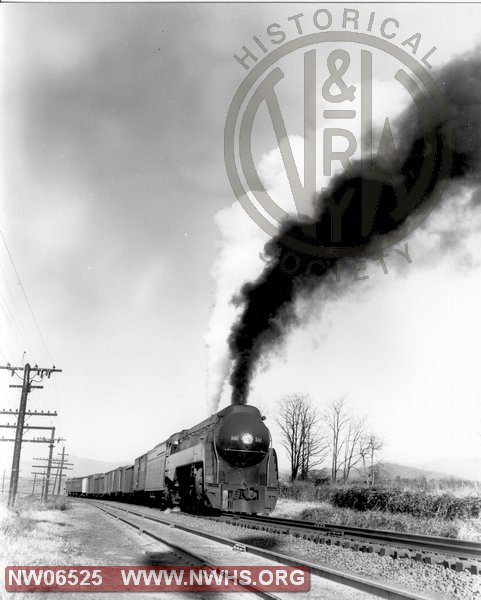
{"x":86,"y":490}
{"x":97,"y":485}
{"x":74,"y":486}
{"x":118,"y":482}
{"x":224,"y":463}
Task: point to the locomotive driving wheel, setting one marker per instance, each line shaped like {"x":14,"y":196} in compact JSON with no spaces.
{"x":192,"y":489}
{"x":199,"y":483}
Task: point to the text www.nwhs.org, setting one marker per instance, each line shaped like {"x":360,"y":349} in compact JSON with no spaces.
{"x":165,"y":579}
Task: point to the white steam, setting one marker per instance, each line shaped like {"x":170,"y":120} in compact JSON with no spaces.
{"x":237,"y":262}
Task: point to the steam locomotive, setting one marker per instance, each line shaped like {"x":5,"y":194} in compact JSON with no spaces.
{"x":224,"y":463}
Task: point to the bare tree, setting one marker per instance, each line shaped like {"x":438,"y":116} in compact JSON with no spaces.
{"x":336,"y":418}
{"x":346,"y":433}
{"x":302,"y":436}
{"x":315,"y":446}
{"x":353,"y":455}
{"x":371,"y":444}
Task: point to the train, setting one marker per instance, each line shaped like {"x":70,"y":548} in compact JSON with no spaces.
{"x":225,"y":463}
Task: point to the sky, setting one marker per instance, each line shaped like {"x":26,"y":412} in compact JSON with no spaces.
{"x":120,"y":220}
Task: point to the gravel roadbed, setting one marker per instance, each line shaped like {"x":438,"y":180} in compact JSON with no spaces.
{"x":433,"y":581}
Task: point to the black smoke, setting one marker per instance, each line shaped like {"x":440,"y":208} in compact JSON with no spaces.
{"x":269,"y":302}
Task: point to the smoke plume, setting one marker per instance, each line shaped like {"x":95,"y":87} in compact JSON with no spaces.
{"x":267,"y":305}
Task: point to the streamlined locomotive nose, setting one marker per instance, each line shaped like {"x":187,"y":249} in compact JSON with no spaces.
{"x":242,"y":439}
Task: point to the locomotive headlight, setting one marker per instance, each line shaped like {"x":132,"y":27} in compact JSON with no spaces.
{"x":247,"y":438}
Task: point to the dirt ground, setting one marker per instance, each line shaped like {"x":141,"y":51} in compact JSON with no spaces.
{"x":83,"y":535}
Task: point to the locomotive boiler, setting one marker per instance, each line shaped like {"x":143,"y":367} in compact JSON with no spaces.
{"x":224,"y":463}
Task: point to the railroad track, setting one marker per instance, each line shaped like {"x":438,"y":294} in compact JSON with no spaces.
{"x":181,"y":554}
{"x":462,"y":549}
{"x":362,"y":585}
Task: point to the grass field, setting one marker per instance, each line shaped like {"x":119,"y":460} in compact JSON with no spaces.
{"x":323,"y":512}
{"x":32,"y":532}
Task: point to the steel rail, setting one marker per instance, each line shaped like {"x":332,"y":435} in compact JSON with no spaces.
{"x":464,"y":549}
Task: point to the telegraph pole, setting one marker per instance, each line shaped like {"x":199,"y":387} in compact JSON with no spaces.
{"x":49,"y":465}
{"x":55,"y":479}
{"x":26,"y":388}
{"x":61,"y":472}
{"x":18,"y":437}
{"x":34,"y":481}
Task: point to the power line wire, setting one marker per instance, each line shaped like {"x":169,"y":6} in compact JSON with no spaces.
{"x":26,"y":298}
{"x":10,"y":321}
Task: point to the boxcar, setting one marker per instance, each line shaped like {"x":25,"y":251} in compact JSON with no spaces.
{"x":74,"y":486}
{"x":90,"y":485}
{"x":140,"y":472}
{"x":85,"y":486}
{"x":98,"y":484}
{"x":155,"y":472}
{"x":113,"y":482}
{"x":109,"y":483}
{"x":127,"y":481}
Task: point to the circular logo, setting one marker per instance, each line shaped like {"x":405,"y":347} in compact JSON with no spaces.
{"x":389,"y":174}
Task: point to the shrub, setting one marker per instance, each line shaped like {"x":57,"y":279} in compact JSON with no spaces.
{"x":303,"y":491}
{"x":28,"y":503}
{"x":418,"y":504}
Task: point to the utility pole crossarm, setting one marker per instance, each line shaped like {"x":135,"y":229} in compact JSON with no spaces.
{"x":29,"y":413}
{"x":34,"y":441}
{"x":25,"y":427}
{"x":30,"y":387}
{"x":56,"y":465}
{"x":53,"y":459}
{"x":34,"y":369}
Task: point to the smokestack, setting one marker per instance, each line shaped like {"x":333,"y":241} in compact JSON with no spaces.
{"x":267,"y":304}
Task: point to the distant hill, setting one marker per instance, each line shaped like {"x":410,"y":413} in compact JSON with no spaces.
{"x":82,"y":466}
{"x":87,"y":466}
{"x":441,"y":469}
{"x":394,"y":470}
{"x":465,"y":468}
